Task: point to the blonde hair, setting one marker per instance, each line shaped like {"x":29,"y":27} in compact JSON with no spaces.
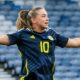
{"x":24,"y":18}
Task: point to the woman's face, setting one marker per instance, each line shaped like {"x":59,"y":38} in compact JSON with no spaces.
{"x":41,"y":20}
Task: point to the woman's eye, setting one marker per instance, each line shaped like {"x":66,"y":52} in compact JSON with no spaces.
{"x":43,"y":16}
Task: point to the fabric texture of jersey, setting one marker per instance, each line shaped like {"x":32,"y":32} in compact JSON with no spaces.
{"x":37,"y":51}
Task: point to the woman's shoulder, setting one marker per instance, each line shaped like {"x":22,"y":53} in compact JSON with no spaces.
{"x":23,"y":30}
{"x":51,"y":30}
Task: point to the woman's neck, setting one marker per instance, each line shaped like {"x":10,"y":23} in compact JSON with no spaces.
{"x":38,"y":29}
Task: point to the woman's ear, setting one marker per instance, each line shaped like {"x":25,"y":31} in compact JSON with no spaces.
{"x":33,"y":20}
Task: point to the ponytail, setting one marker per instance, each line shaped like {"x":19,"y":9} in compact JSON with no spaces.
{"x":22,"y":19}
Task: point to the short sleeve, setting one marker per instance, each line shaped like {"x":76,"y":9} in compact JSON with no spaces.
{"x":61,"y":40}
{"x":14,"y":38}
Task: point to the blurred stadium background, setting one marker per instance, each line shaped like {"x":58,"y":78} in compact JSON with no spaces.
{"x":64,"y":18}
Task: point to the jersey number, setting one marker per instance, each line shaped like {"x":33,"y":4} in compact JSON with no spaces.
{"x":44,"y":46}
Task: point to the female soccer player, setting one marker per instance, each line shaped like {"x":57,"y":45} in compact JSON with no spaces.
{"x":36,"y":43}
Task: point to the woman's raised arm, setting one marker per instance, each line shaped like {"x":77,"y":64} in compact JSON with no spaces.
{"x":4,"y":40}
{"x":73,"y":43}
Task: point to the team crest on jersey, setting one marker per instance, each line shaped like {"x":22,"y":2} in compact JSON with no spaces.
{"x":32,"y":36}
{"x":50,"y":38}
